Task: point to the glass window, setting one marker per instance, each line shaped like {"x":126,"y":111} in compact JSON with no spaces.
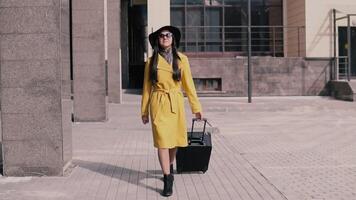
{"x":177,"y":2}
{"x":274,"y":2}
{"x":195,"y":17}
{"x":213,"y":17}
{"x":195,"y":2}
{"x":207,"y":84}
{"x":177,"y":19}
{"x":235,"y":2}
{"x":220,"y":25}
{"x":233,"y":16}
{"x":213,"y":34}
{"x":259,"y":16}
{"x":213,"y":2}
{"x":177,"y":16}
{"x":195,"y":31}
{"x":235,"y":36}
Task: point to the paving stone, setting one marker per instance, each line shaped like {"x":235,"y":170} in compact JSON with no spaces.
{"x":276,"y":148}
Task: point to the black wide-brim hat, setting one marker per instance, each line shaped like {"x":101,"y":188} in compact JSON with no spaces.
{"x":174,"y":30}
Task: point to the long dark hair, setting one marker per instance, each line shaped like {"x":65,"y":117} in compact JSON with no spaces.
{"x":154,"y":61}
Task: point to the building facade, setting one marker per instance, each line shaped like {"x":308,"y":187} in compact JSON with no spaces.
{"x":217,"y":30}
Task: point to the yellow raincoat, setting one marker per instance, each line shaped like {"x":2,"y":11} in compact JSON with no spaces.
{"x":164,"y":102}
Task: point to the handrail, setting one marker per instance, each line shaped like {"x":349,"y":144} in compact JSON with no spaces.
{"x":342,"y":69}
{"x":241,"y":26}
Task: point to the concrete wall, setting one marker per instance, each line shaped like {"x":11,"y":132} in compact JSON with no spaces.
{"x":158,"y":15}
{"x":271,"y":76}
{"x":35,"y":87}
{"x":294,"y":17}
{"x":90,"y":102}
{"x":319,"y":24}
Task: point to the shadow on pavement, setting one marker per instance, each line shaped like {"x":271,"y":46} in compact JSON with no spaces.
{"x":125,"y":174}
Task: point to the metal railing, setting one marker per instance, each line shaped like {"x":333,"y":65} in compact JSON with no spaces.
{"x":265,"y":40}
{"x":342,"y":70}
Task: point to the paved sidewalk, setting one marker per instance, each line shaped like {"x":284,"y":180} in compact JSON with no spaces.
{"x":275,"y":148}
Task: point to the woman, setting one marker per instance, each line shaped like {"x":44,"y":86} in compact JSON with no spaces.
{"x":166,"y":72}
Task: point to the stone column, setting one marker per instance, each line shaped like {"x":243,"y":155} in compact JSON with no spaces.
{"x":90,"y":76}
{"x":35,"y":104}
{"x":114,"y":51}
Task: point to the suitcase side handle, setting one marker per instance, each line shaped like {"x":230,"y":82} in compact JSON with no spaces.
{"x":191,"y":132}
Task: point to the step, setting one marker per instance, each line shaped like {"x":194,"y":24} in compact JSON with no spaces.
{"x":352,"y":84}
{"x":342,"y":90}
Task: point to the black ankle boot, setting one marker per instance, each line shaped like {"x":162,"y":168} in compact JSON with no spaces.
{"x":168,"y":185}
{"x":171,"y":171}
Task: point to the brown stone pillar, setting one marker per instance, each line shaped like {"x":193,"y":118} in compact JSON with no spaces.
{"x":114,"y":51}
{"x":90,"y":77}
{"x":35,"y":101}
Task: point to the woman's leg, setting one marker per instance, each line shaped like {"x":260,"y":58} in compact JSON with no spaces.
{"x":163,"y":155}
{"x":172,"y":155}
{"x":164,"y":160}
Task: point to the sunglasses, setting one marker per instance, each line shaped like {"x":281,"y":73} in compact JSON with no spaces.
{"x":167,"y":35}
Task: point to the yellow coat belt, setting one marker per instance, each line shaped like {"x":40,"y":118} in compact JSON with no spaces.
{"x":172,"y":95}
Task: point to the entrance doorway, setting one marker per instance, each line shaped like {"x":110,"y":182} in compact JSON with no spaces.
{"x":137,"y":23}
{"x":343,"y":50}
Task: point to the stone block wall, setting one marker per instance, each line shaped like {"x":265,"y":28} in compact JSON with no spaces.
{"x":270,"y":76}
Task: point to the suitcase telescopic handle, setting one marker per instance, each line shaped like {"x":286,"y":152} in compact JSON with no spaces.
{"x":193,"y":121}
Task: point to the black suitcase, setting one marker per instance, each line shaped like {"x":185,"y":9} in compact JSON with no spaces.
{"x":195,"y":157}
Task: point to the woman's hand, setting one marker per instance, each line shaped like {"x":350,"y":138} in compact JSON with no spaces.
{"x":145,"y":119}
{"x":198,"y":115}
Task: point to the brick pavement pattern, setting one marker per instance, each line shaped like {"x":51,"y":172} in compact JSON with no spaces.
{"x":275,"y":148}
